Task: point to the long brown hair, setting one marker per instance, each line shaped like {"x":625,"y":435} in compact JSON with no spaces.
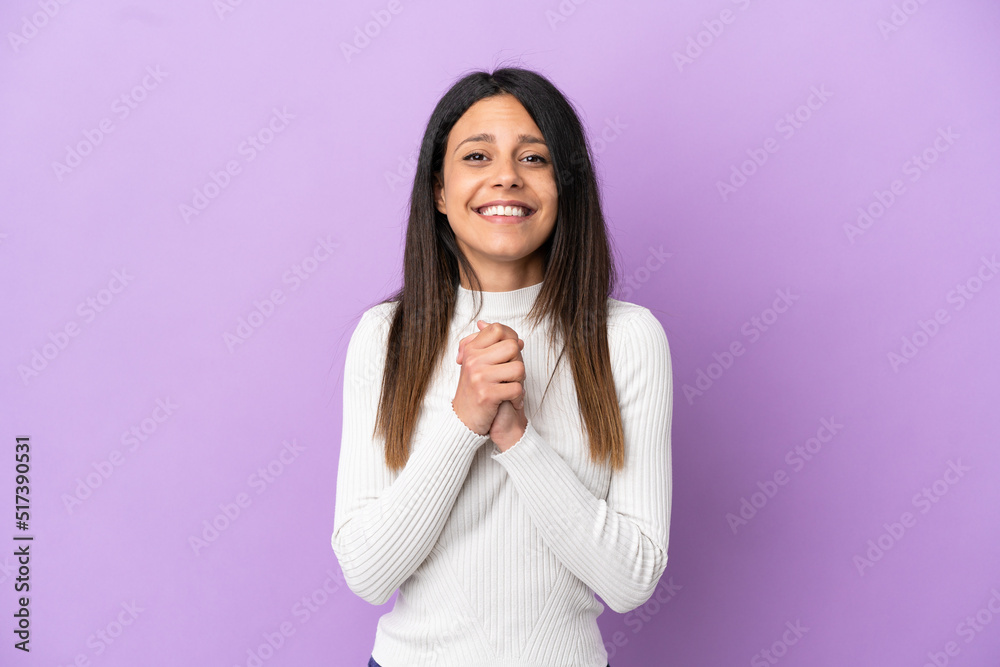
{"x":579,"y":275}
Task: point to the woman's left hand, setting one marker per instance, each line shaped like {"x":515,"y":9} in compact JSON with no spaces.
{"x":508,"y":426}
{"x":509,"y":423}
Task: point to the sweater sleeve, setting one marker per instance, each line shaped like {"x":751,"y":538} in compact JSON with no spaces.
{"x":618,"y":546}
{"x":386,"y":523}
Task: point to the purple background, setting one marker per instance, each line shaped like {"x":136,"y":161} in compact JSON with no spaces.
{"x":666,"y":133}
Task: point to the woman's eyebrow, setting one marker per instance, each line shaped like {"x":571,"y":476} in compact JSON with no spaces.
{"x":491,"y":139}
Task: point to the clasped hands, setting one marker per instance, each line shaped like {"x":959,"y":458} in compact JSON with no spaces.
{"x":490,"y":393}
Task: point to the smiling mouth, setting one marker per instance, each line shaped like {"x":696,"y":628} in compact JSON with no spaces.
{"x":498,"y":214}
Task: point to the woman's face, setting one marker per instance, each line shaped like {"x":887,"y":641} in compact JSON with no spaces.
{"x":496,"y":153}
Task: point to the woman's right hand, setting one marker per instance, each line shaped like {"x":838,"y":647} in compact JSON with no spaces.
{"x":492,"y":372}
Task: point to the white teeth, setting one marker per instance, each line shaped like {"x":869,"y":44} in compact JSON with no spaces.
{"x":515,"y":211}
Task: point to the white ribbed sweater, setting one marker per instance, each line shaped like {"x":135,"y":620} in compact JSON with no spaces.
{"x":497,"y":555}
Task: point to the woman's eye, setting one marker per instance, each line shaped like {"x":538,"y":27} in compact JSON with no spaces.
{"x":538,"y":158}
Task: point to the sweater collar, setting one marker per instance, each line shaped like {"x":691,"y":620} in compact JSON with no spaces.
{"x":496,"y":306}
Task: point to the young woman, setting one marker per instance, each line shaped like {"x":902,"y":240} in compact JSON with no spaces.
{"x":506,"y":428}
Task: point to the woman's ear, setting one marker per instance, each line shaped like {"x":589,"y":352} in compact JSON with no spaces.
{"x":439,"y":194}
